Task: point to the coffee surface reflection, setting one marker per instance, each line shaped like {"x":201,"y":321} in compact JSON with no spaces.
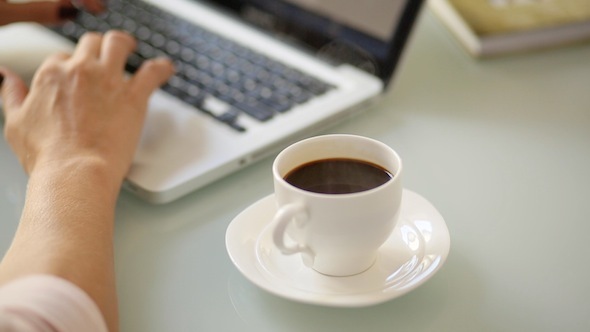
{"x":338,"y":176}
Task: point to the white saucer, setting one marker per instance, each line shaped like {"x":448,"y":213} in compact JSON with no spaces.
{"x":417,"y":248}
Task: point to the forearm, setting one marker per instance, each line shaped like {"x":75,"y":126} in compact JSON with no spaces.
{"x":66,"y":230}
{"x":81,"y":106}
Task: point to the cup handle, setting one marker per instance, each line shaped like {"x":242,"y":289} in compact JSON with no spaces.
{"x":284,"y":216}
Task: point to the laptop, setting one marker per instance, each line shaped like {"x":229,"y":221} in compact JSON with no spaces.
{"x":253,"y":75}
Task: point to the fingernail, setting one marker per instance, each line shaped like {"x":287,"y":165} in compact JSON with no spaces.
{"x":67,"y":12}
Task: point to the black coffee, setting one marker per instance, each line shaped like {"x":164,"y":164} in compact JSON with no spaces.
{"x":338,"y":176}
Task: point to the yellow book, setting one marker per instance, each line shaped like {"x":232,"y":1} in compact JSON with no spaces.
{"x":493,"y":27}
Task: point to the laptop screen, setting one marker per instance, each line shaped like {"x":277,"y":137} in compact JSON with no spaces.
{"x":368,"y":34}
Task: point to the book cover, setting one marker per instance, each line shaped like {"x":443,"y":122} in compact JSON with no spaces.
{"x":492,"y":27}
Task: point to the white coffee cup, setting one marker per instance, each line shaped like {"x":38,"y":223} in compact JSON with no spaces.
{"x":336,"y":234}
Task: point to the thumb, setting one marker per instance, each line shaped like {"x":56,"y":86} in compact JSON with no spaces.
{"x":14,"y":90}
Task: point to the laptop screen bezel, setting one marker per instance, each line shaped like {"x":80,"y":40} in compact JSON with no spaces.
{"x":312,"y":37}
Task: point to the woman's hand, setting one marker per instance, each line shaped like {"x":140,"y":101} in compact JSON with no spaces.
{"x":82,"y":108}
{"x":75,"y":132}
{"x":45,"y":12}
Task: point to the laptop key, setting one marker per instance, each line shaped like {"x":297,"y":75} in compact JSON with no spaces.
{"x":230,"y":117}
{"x":255,"y":109}
{"x":278,"y":104}
{"x":133,"y":63}
{"x":222,"y":112}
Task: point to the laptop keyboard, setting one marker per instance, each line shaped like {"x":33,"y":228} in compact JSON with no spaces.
{"x":215,"y":75}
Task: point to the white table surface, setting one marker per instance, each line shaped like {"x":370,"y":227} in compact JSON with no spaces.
{"x":501,"y":147}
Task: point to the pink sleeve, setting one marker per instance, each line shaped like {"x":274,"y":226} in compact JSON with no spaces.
{"x":47,"y":303}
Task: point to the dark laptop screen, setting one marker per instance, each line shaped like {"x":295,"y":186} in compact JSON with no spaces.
{"x":368,"y":34}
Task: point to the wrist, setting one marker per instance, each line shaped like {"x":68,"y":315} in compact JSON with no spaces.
{"x":87,"y":174}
